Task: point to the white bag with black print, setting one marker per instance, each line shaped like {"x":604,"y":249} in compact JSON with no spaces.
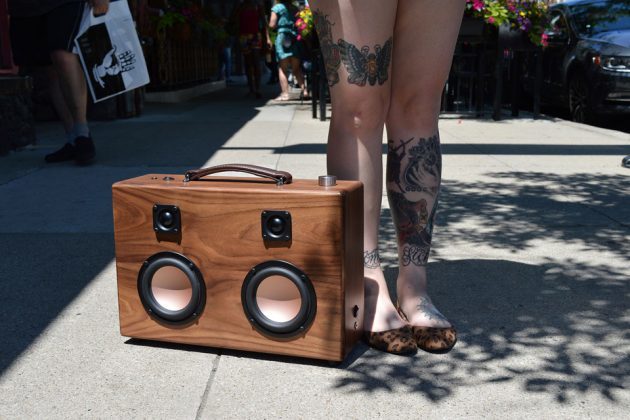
{"x":110,"y":52}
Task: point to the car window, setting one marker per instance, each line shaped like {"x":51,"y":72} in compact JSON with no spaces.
{"x":601,"y":16}
{"x":558,"y":25}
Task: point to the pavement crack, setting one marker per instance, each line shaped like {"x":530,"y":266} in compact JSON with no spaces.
{"x":206,"y":393}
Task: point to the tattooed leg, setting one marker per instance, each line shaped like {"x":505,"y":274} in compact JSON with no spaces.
{"x":414,"y":168}
{"x":330,"y":50}
{"x":356,"y":127}
{"x":371,"y":259}
{"x":363,"y":65}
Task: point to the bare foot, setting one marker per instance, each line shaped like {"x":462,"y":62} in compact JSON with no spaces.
{"x":380,"y":313}
{"x":282,"y":97}
{"x":415,"y":301}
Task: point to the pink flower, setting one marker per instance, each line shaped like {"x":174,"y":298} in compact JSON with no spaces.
{"x":491,"y":19}
{"x":544,"y":40}
{"x":478,"y":5}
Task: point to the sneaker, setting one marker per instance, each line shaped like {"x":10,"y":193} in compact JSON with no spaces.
{"x":84,"y":150}
{"x":67,"y":152}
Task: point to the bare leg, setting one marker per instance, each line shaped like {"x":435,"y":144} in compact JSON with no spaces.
{"x":424,"y":28}
{"x":72,"y":83}
{"x":297,"y":72}
{"x":360,"y":99}
{"x":58,"y":100}
{"x":74,"y":89}
{"x":283,"y":66}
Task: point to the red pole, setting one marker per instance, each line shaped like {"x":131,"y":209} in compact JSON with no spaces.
{"x":6,"y":60}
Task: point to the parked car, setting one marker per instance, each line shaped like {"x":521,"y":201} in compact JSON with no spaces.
{"x":586,"y":66}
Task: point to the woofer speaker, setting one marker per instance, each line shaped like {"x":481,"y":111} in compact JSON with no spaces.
{"x":272,"y":266}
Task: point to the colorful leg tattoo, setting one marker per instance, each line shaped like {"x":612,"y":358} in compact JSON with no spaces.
{"x":414,"y":169}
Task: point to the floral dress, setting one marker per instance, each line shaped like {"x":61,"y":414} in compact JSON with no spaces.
{"x":286,"y":41}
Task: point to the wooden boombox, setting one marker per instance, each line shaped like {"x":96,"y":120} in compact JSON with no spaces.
{"x":267,"y":265}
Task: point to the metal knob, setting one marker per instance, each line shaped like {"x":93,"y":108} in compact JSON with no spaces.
{"x":327,"y":180}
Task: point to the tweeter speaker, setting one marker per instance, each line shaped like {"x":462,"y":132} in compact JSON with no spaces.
{"x":264,"y":264}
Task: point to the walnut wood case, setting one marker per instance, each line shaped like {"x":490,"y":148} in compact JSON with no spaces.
{"x":220,"y":232}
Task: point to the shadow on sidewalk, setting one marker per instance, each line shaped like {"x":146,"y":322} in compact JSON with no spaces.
{"x":554,"y":329}
{"x":559,"y":327}
{"x":52,"y":256}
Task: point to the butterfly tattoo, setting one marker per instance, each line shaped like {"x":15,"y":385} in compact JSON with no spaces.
{"x":365,"y":66}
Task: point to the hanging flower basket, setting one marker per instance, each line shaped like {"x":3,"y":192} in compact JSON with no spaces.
{"x":527,"y":17}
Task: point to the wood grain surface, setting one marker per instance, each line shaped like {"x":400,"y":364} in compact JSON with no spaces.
{"x":221,"y":233}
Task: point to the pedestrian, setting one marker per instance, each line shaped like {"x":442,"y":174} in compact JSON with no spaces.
{"x":283,"y":20}
{"x":252,"y":32}
{"x":42,"y":34}
{"x":387,"y":63}
{"x":271,"y":61}
{"x":224,"y":47}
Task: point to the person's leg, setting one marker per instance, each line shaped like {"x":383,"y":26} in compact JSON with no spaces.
{"x":296,"y":68}
{"x":256,"y":71}
{"x":425,"y":36}
{"x":283,"y":67}
{"x":249,"y":70}
{"x":59,"y":103}
{"x":349,"y":32}
{"x":72,"y":83}
{"x":61,"y":26}
{"x":228,"y":63}
{"x":273,"y":68}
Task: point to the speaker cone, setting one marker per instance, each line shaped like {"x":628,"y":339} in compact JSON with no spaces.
{"x":171,"y":288}
{"x":278,"y":299}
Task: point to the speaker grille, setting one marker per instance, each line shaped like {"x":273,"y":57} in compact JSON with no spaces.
{"x":171,"y":288}
{"x":279,"y":299}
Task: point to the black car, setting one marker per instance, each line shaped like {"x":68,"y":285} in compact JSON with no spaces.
{"x":586,"y":65}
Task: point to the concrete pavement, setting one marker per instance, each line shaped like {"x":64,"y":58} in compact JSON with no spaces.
{"x":530,"y":262}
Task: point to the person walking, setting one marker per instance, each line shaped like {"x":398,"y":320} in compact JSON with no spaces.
{"x":42,"y":34}
{"x":283,"y":20}
{"x":386,"y":64}
{"x":252,"y":32}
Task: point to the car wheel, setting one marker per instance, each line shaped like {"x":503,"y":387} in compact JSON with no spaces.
{"x":579,"y":98}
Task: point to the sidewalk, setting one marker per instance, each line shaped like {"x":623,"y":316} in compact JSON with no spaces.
{"x":530,"y":262}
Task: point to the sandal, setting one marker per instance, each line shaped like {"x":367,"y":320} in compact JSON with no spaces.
{"x":398,"y":341}
{"x":432,"y":339}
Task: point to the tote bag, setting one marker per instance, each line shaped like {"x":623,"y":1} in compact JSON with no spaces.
{"x":110,"y":52}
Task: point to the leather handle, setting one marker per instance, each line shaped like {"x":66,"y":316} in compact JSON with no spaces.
{"x":281,"y":177}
